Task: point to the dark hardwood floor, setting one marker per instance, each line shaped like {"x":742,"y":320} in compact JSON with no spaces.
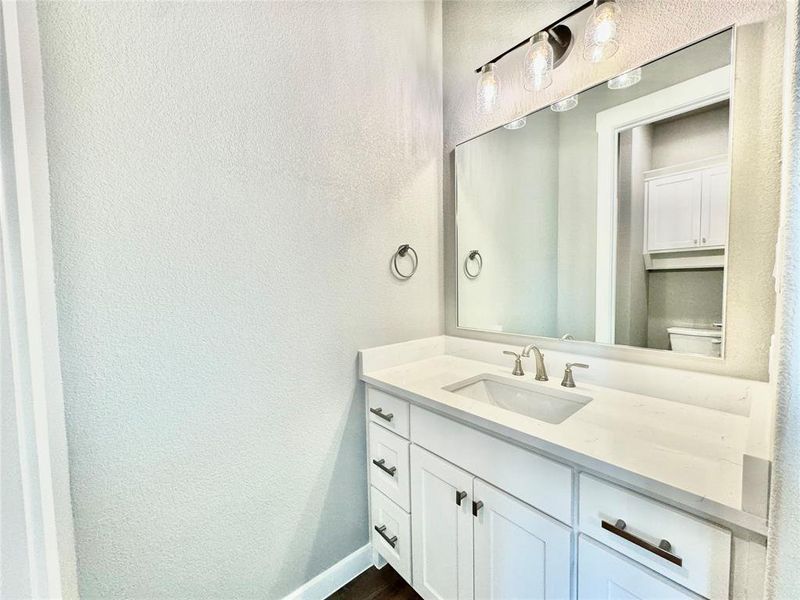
{"x":373,"y":584}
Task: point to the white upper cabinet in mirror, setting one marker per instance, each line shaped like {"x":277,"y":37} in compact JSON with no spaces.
{"x":607,"y":221}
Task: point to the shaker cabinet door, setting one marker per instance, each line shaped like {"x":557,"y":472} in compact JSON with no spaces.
{"x":520,"y":553}
{"x":714,"y":219}
{"x":673,"y":211}
{"x":441,"y":528}
{"x":605,"y":575}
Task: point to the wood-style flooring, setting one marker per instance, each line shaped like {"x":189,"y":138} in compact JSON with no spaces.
{"x":373,"y":584}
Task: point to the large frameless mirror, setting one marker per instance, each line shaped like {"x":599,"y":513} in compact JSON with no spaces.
{"x":605,"y":217}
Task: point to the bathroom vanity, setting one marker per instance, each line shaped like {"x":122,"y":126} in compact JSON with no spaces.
{"x":615,"y":229}
{"x":488,"y":485}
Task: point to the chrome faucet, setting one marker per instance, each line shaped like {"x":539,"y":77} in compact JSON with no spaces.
{"x":568,"y":381}
{"x":541,"y":371}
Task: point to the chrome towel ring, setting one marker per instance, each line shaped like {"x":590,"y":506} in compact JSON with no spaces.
{"x":473,"y":256}
{"x":402,"y":251}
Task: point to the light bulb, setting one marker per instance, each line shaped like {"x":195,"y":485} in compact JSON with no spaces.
{"x":602,"y":32}
{"x":518,"y":124}
{"x":488,"y":91}
{"x":625,"y":80}
{"x":538,"y":65}
{"x":564,"y":105}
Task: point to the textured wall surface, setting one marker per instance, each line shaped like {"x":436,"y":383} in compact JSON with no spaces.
{"x":692,"y":298}
{"x":696,"y":136}
{"x":783,"y":551}
{"x":229,"y":182}
{"x":475,"y":31}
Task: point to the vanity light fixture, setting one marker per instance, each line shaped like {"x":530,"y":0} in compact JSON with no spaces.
{"x":625,"y":80}
{"x":550,"y":47}
{"x":566,"y":104}
{"x":488,"y":92}
{"x":538,"y":66}
{"x":547,"y":50}
{"x":601,"y":39}
{"x":518,"y":124}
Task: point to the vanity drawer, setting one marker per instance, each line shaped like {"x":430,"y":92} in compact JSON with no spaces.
{"x":543,"y":483}
{"x":700,"y":551}
{"x":391,"y":533}
{"x":388,"y":465}
{"x":387,"y":411}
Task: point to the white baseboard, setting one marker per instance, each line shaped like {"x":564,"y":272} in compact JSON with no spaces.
{"x":330,"y":580}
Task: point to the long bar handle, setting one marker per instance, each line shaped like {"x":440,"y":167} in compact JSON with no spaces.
{"x":392,"y":541}
{"x":378,"y":412}
{"x":663,"y":549}
{"x":381,"y":464}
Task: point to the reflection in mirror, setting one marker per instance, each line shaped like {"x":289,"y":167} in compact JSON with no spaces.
{"x":605,"y":220}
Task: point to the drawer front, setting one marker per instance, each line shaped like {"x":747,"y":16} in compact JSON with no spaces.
{"x":539,"y":481}
{"x":388,"y":465}
{"x":388,"y":411}
{"x":703,"y":549}
{"x":605,"y":575}
{"x":391,"y":533}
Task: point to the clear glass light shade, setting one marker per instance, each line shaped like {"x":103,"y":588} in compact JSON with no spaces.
{"x":601,"y":40}
{"x":518,"y":124}
{"x":564,"y":105}
{"x":488,"y":92}
{"x":625,"y":80}
{"x":538,"y":65}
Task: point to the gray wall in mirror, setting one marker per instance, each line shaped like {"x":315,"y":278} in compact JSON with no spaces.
{"x":473,"y":31}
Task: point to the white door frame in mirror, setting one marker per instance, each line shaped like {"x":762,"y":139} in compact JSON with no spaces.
{"x":703,"y":90}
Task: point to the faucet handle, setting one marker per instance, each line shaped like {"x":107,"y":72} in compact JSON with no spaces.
{"x":517,"y":363}
{"x":568,"y":381}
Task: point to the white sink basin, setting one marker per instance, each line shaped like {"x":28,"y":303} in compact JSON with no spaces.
{"x":522,"y":397}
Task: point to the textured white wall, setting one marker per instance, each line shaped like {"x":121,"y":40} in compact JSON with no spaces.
{"x":783,"y":550}
{"x":699,"y":135}
{"x":476,"y":31}
{"x":229,"y":181}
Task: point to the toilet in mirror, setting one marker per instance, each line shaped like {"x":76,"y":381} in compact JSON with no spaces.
{"x":604,"y":217}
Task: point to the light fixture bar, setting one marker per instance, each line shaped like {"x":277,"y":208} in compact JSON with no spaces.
{"x":548,"y":28}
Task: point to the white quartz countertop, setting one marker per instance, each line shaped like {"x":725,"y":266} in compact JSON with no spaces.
{"x":689,"y":455}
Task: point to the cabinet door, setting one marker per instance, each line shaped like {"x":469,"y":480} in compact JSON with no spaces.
{"x":441,"y":528}
{"x":520,"y":553}
{"x":673,"y":211}
{"x":605,"y":575}
{"x":714,"y":219}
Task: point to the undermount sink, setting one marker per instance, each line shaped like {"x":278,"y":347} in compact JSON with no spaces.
{"x":529,"y":399}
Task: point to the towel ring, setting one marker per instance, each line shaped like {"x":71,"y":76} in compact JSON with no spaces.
{"x":475,"y":256}
{"x":402,"y":251}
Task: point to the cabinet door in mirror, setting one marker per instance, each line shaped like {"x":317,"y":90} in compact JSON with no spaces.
{"x":608,"y":222}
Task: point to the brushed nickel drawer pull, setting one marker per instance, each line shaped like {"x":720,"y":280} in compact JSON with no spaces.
{"x":378,"y":412}
{"x":392,"y":541}
{"x":664,"y":548}
{"x":381,"y":464}
{"x":460,"y":496}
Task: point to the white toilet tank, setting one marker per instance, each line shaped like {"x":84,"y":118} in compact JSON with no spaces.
{"x":695,"y":340}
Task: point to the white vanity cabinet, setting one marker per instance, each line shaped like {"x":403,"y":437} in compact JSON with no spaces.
{"x":489,"y":519}
{"x":471,"y":540}
{"x":686,"y":207}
